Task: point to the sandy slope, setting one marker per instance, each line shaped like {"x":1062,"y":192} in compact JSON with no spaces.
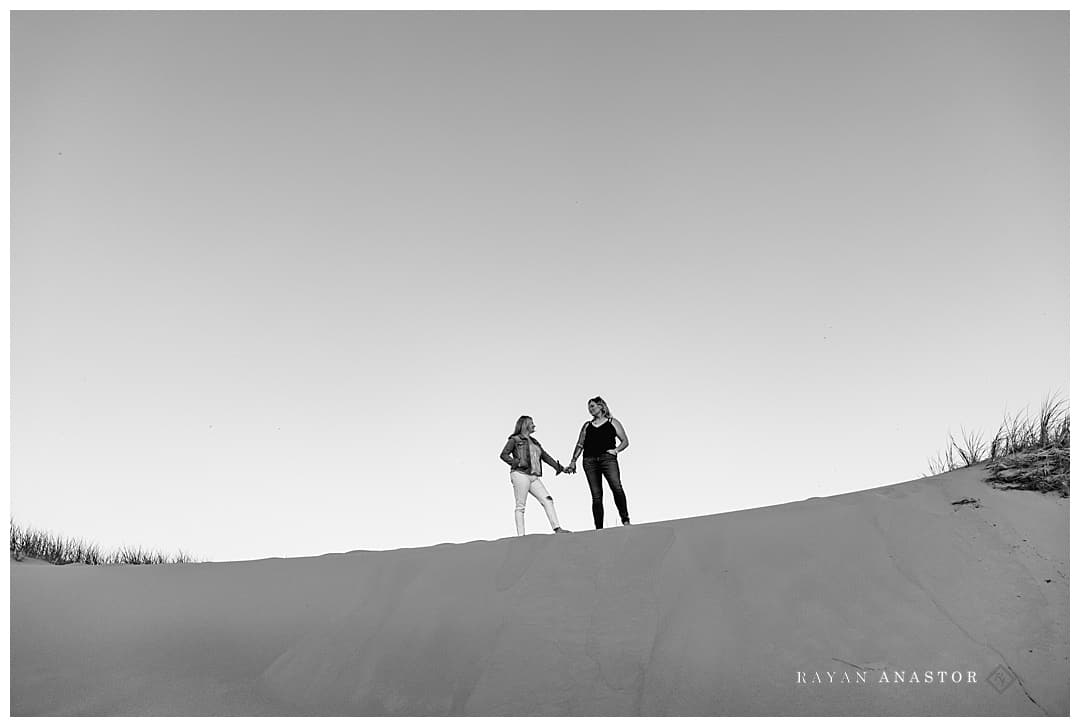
{"x":714,"y":615}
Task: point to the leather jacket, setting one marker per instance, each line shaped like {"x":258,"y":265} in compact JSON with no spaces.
{"x":516,"y":454}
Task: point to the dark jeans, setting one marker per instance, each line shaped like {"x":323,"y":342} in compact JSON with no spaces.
{"x":606,"y":465}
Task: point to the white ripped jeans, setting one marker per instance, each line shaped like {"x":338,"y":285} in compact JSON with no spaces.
{"x":525,"y":485}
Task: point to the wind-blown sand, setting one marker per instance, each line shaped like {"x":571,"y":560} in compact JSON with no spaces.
{"x":716,"y":615}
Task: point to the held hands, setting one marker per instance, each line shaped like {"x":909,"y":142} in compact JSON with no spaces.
{"x":572,"y":467}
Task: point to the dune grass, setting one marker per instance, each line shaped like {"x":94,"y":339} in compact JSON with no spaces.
{"x":28,"y":542}
{"x":1028,"y":452}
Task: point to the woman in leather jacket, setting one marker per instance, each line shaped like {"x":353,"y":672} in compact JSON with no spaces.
{"x":526,"y":456}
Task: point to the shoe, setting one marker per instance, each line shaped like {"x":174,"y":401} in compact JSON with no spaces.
{"x":625,"y":522}
{"x":561,"y":530}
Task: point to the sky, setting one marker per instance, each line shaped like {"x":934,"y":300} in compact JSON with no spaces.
{"x":282,"y":283}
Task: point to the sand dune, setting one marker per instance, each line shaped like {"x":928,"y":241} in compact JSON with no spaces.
{"x":721,"y":615}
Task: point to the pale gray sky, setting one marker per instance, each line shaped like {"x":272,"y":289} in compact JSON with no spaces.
{"x":283,"y":282}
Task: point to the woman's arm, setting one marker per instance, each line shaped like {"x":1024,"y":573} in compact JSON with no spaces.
{"x":580,"y":447}
{"x":544,"y":456}
{"x":507,"y":451}
{"x":624,"y":441}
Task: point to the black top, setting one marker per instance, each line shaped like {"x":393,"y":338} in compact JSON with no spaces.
{"x":599,"y":440}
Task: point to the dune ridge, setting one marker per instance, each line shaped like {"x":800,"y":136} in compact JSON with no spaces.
{"x":729,"y":614}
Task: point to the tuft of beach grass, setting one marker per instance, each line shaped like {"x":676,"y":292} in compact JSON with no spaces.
{"x":29,"y":542}
{"x":1028,"y":452}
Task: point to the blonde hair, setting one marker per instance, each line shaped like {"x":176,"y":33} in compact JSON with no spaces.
{"x":599,"y":401}
{"x":520,"y":426}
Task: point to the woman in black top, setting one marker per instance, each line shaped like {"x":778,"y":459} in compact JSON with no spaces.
{"x":597,"y":443}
